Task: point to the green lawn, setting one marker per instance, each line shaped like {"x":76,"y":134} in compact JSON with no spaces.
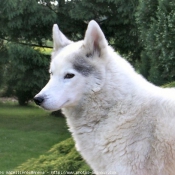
{"x":27,"y":132}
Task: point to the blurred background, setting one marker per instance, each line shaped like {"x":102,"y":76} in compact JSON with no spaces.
{"x":30,"y":138}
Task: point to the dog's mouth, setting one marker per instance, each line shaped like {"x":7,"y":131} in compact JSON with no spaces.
{"x":52,"y":108}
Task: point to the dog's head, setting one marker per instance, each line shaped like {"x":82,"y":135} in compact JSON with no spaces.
{"x":76,"y":69}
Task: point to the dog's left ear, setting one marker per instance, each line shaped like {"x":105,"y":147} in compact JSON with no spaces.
{"x":94,"y":41}
{"x":59,"y":39}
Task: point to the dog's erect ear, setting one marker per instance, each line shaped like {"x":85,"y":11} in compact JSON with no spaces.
{"x":94,"y":40}
{"x":59,"y":39}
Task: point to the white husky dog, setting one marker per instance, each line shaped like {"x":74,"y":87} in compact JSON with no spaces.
{"x":121,"y":123}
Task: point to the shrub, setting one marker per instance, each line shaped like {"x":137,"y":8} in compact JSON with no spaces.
{"x":62,"y":157}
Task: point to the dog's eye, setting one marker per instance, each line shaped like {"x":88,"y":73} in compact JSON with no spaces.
{"x":68,"y":76}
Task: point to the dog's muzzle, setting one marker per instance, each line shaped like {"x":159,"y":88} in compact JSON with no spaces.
{"x":38,"y":100}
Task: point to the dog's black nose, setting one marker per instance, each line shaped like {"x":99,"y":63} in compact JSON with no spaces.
{"x":38,"y":100}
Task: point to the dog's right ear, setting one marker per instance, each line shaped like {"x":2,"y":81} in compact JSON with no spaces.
{"x":59,"y":39}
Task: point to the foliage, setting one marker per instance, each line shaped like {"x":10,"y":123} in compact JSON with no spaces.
{"x":25,"y":21}
{"x":30,"y":23}
{"x":43,"y":50}
{"x":169,"y":85}
{"x":115,"y":17}
{"x":23,"y":24}
{"x":27,"y":71}
{"x":62,"y":157}
{"x":142,"y":31}
{"x":117,"y":20}
{"x":156,"y":20}
{"x":3,"y":52}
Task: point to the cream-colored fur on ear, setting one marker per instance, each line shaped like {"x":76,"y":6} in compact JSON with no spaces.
{"x":59,"y":39}
{"x":96,"y":44}
{"x":95,"y":40}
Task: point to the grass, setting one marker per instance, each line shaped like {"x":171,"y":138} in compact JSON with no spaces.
{"x":27,"y":132}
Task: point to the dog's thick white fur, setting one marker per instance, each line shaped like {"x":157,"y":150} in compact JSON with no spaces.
{"x":121,"y":123}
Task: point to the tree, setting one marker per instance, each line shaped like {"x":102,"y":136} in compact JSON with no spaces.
{"x":3,"y":60}
{"x":21,"y":30}
{"x":156,"y":20}
{"x":117,"y":19}
{"x":145,"y":13}
{"x":25,"y":22}
{"x":26,"y":72}
{"x":29,"y":23}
